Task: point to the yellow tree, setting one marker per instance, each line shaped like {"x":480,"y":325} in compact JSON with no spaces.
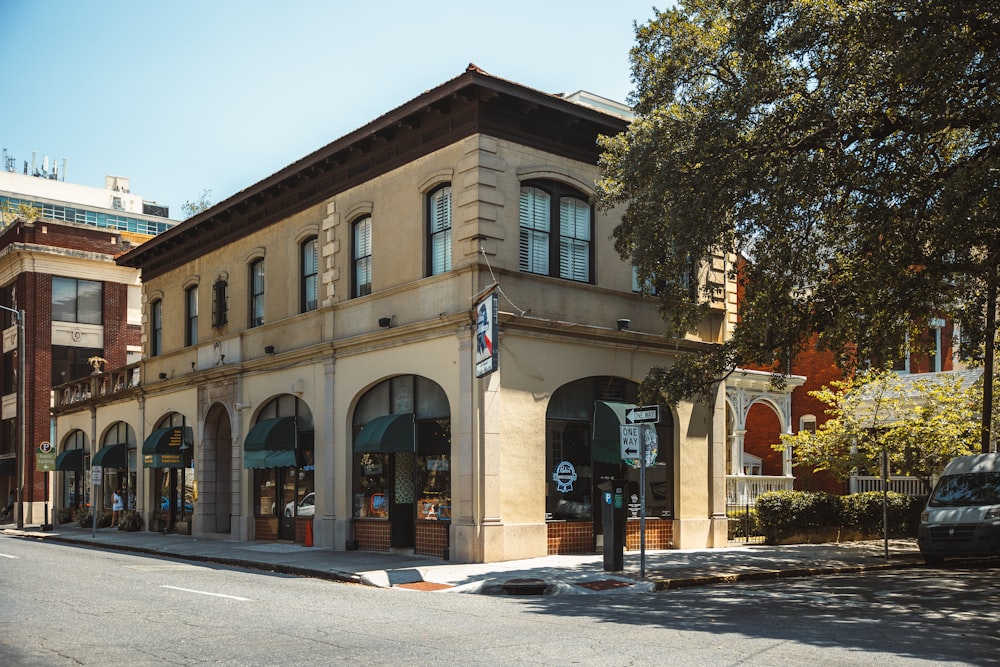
{"x":918,"y":422}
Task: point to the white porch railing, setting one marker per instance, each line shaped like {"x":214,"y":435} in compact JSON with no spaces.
{"x":910,"y":486}
{"x":744,"y":490}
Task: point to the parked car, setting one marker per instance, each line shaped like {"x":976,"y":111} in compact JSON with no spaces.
{"x":165,"y":505}
{"x":962,"y":517}
{"x":306,"y":507}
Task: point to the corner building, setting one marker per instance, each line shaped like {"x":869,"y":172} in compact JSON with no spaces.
{"x":311,"y":344}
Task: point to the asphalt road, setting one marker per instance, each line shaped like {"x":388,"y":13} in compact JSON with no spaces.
{"x":63,"y":605}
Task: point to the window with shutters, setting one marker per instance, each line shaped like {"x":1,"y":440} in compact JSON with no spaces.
{"x":191,"y":315}
{"x":156,"y":328}
{"x":310,"y":272}
{"x":256,"y":293}
{"x":439,"y":230}
{"x":556,"y":232}
{"x":361,"y":256}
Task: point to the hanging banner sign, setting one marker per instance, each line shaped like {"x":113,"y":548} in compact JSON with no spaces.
{"x":486,"y":352}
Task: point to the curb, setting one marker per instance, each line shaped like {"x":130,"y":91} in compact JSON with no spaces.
{"x":342,"y":577}
{"x":760,"y":575}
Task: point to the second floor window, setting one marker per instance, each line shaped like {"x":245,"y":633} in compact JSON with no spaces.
{"x":191,"y":315}
{"x":361,"y":257}
{"x":79,"y":301}
{"x":310,"y":273}
{"x":556,"y":232}
{"x":156,"y":328}
{"x":220,"y":303}
{"x":256,"y":293}
{"x":439,"y":230}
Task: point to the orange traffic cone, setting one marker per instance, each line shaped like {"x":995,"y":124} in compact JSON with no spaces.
{"x":309,"y":533}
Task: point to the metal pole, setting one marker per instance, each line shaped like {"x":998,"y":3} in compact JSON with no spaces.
{"x":642,"y":508}
{"x":22,"y":418}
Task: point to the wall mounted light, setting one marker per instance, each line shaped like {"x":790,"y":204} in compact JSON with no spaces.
{"x":268,"y":349}
{"x":624,"y":324}
{"x":385,"y":322}
{"x":163,"y":376}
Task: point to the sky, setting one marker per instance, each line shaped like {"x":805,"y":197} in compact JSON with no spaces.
{"x":188,"y":96}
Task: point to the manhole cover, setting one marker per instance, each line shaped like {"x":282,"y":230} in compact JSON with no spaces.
{"x":524,"y":587}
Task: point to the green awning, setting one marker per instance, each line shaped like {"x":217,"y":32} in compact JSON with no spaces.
{"x":270,"y":444}
{"x":111,"y":456}
{"x":386,"y":434}
{"x":606,"y":445}
{"x":162,"y":448}
{"x":71,"y":459}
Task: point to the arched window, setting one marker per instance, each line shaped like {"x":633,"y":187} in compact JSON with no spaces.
{"x":439,"y":230}
{"x":309,"y":273}
{"x":156,"y":328}
{"x":556,"y":232}
{"x":361,"y":256}
{"x":256,"y":293}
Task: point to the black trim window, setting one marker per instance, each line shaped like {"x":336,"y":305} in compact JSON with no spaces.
{"x":556,"y":232}
{"x":79,"y":301}
{"x":256,"y":293}
{"x":220,"y":303}
{"x":361,"y":256}
{"x":310,"y":274}
{"x":156,"y":328}
{"x":439,"y":230}
{"x":191,"y":315}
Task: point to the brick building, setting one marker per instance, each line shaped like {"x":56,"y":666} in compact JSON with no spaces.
{"x":58,"y":244}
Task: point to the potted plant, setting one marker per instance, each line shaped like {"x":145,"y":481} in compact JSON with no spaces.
{"x":130,"y":520}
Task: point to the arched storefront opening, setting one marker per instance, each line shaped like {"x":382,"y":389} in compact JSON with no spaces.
{"x":216,"y":497}
{"x":402,"y":467}
{"x":169,"y":451}
{"x":582,"y":449}
{"x":117,"y":459}
{"x":280,"y":450}
{"x":73,"y":462}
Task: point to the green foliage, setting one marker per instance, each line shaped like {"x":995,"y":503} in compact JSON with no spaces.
{"x":130,"y":520}
{"x":921,"y":423}
{"x":781,"y":514}
{"x":823,"y":142}
{"x":193,"y":208}
{"x":83,"y":517}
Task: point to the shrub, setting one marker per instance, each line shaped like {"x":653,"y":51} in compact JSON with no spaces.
{"x":784,"y":513}
{"x":83,"y":517}
{"x":130,"y":520}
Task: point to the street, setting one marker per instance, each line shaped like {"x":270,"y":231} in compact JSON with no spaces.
{"x":71,"y":605}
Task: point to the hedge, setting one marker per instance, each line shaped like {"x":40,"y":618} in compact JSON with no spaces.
{"x":781,"y":514}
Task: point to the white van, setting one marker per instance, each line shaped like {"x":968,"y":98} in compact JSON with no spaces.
{"x":962,"y":517}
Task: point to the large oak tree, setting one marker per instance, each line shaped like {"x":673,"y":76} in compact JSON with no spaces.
{"x":849,"y":150}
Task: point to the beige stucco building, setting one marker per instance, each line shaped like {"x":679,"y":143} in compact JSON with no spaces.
{"x":311,"y":347}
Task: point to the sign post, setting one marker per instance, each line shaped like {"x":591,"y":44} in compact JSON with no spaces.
{"x":96,"y":479}
{"x":45,"y":461}
{"x":642,"y":420}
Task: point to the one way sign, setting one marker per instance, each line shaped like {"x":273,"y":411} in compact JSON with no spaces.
{"x":647,"y":414}
{"x":631,"y":441}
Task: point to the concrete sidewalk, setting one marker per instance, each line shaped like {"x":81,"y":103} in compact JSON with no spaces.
{"x":573,"y":574}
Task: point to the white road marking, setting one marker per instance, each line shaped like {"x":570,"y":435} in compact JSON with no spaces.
{"x":217,"y":595}
{"x":8,"y":556}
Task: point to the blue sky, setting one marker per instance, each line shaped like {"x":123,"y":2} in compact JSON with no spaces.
{"x":184,"y":96}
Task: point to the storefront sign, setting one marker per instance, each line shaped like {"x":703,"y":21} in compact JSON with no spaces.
{"x":564,"y":476}
{"x":486,"y":353}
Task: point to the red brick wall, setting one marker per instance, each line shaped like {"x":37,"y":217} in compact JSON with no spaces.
{"x":432,"y":538}
{"x":659,"y":534}
{"x":763,"y":429}
{"x":372,"y":535}
{"x":571,"y":537}
{"x":265,"y":528}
